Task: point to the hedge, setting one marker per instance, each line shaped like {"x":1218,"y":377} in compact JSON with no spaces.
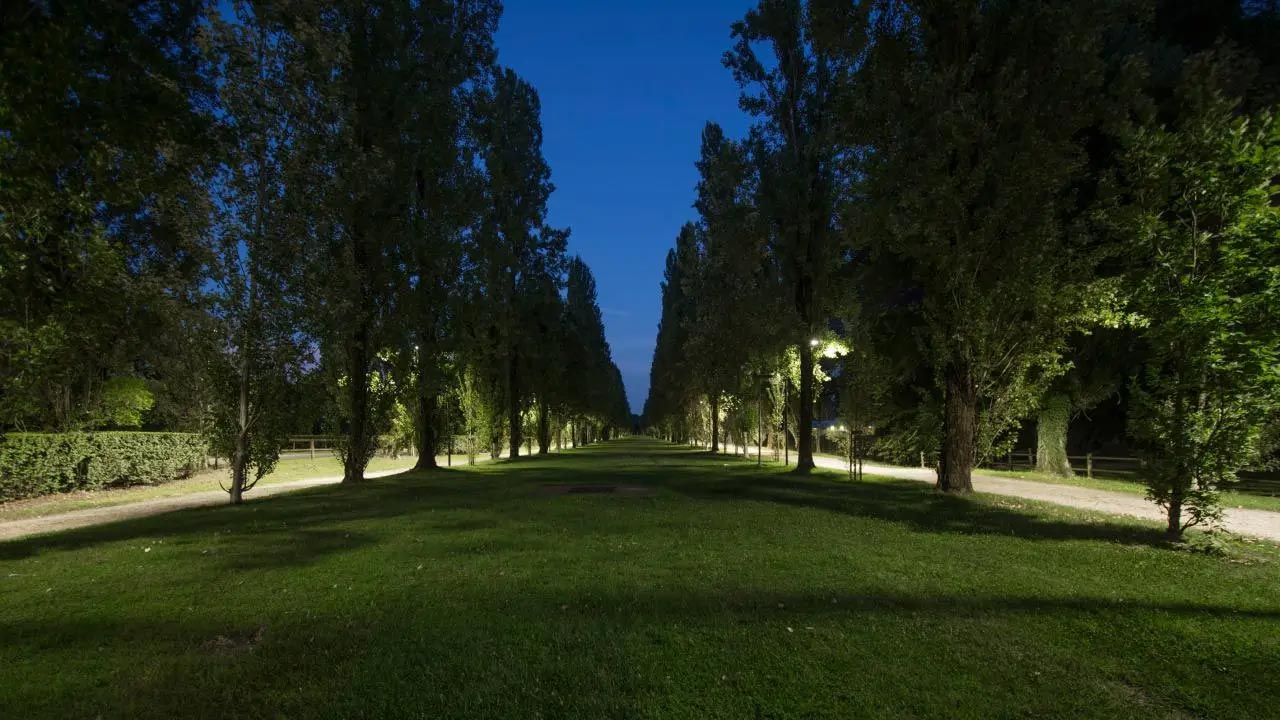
{"x":34,"y":464}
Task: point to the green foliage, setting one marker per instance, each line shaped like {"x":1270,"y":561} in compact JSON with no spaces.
{"x":124,"y":400}
{"x":105,"y":138}
{"x":403,"y":429}
{"x":1204,"y":235}
{"x":34,"y":464}
{"x":970,"y":209}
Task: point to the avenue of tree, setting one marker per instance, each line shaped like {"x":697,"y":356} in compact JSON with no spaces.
{"x":263,"y":218}
{"x":965,"y":215}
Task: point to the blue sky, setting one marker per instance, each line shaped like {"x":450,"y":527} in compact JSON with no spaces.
{"x":626,"y":87}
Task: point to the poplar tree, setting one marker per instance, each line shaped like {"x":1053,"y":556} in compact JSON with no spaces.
{"x":513,"y":250}
{"x":970,"y":184}
{"x":792,"y":93}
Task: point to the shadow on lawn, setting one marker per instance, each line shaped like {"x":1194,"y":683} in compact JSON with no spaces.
{"x":914,"y":504}
{"x":319,"y":514}
{"x":309,"y":520}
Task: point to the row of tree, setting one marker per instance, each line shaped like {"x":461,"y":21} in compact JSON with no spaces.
{"x":985,"y":213}
{"x":255,"y":218}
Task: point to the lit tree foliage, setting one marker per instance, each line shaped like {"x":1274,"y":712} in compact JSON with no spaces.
{"x":1204,"y":230}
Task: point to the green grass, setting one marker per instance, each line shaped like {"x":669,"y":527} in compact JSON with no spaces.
{"x":1230,"y":498}
{"x":286,"y":470}
{"x":728,"y":593}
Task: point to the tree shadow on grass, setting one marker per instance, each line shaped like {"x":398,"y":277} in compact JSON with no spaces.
{"x":292,"y":528}
{"x":439,"y":646}
{"x":916,"y":505}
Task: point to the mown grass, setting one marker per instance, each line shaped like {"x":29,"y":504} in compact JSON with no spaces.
{"x":287,"y":470}
{"x":728,"y":593}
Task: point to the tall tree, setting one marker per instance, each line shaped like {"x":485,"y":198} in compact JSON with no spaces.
{"x":450,"y":55}
{"x":792,"y":94}
{"x":970,"y":181}
{"x":733,"y":318}
{"x":670,"y":374}
{"x":250,"y":280}
{"x":347,"y":182}
{"x":514,"y":251}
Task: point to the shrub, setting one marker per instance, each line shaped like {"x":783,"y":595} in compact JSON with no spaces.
{"x":34,"y":464}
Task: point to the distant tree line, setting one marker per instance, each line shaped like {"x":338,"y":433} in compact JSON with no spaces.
{"x":252,"y":219}
{"x":972,"y":214}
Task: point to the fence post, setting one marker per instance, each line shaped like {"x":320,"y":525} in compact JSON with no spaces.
{"x":448,"y":459}
{"x":1031,"y":459}
{"x":921,"y":459}
{"x":1008,"y":460}
{"x":1088,"y":465}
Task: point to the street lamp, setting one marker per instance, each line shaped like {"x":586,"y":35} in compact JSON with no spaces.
{"x":813,"y":342}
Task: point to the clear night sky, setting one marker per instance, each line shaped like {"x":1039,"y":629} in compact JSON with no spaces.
{"x":626,"y":86}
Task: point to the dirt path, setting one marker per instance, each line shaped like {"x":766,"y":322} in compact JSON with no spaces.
{"x":14,"y":529}
{"x":1259,"y":523}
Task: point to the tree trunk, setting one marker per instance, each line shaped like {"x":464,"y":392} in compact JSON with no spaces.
{"x":715,"y":422}
{"x":428,"y":439}
{"x":544,"y":427}
{"x":960,"y":430}
{"x":240,"y":455}
{"x":358,"y":394}
{"x":1173,"y":530}
{"x":804,"y":429}
{"x":513,"y":406}
{"x":1051,"y":436}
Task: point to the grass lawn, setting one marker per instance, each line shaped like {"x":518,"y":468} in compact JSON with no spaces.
{"x":726,"y":592}
{"x":286,"y":470}
{"x":1230,"y":498}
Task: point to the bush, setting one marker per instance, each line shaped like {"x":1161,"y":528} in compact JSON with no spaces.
{"x":34,"y":464}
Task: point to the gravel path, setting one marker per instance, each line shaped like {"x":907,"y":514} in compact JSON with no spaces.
{"x":1259,"y":523}
{"x":14,"y":529}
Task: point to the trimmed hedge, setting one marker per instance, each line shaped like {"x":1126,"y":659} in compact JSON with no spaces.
{"x":34,"y":464}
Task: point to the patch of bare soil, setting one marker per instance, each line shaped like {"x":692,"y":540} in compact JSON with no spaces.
{"x":235,"y":643}
{"x":622,"y":490}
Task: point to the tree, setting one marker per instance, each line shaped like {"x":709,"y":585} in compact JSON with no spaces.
{"x":514,"y":251}
{"x":255,"y":366}
{"x":792,"y":143}
{"x":970,"y":186}
{"x":450,"y":54}
{"x":670,"y":377}
{"x":1204,"y":243}
{"x":347,"y":180}
{"x":106,"y":143}
{"x":733,"y":319}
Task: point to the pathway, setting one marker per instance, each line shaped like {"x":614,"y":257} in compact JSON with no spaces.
{"x":1259,"y":523}
{"x":14,"y":529}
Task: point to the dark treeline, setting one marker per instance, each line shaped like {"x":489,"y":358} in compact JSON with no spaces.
{"x":961,"y":217}
{"x":262,"y":218}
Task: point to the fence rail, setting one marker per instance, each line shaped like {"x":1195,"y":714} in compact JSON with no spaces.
{"x":1109,"y":464}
